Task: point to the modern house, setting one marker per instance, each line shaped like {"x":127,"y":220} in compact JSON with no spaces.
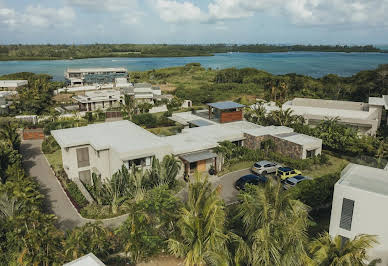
{"x":104,"y":148}
{"x":12,"y":84}
{"x":83,"y":76}
{"x":359,"y":207}
{"x":225,"y":112}
{"x":366,"y":117}
{"x":102,"y":99}
{"x":142,"y":92}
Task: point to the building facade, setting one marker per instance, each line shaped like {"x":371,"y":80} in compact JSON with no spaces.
{"x":359,"y":207}
{"x":84,"y":76}
{"x":12,"y":84}
{"x":98,"y":100}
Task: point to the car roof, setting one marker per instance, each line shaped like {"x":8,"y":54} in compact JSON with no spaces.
{"x":264,"y":162}
{"x":250,"y":176}
{"x":299,"y":177}
{"x":285,"y":169}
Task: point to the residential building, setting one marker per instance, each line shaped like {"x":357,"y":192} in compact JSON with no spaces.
{"x":225,"y":112}
{"x":83,"y":76}
{"x":104,"y":148}
{"x":142,"y":92}
{"x":12,"y":84}
{"x":365,"y":117}
{"x":87,"y":260}
{"x":5,"y":102}
{"x":359,"y":207}
{"x":102,"y":99}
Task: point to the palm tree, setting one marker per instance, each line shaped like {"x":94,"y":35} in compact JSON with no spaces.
{"x":9,"y":134}
{"x":201,"y":225}
{"x":164,"y":173}
{"x":9,"y":207}
{"x":284,"y":117}
{"x":129,"y":106}
{"x":275,"y":227}
{"x":336,"y":252}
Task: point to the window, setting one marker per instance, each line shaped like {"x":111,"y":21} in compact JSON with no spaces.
{"x":84,"y":176}
{"x":146,"y":161}
{"x":347,"y":214}
{"x":193,"y":166}
{"x":310,"y":154}
{"x":83,"y":157}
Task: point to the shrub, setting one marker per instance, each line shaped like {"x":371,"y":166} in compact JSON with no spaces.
{"x":49,"y":145}
{"x":76,"y":194}
{"x":146,"y":120}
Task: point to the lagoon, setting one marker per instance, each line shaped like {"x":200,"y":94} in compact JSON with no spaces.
{"x":315,"y":64}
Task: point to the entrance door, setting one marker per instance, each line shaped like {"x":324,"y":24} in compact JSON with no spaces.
{"x":201,"y":166}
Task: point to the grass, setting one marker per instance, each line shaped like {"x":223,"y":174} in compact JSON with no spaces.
{"x":165,"y":131}
{"x":55,"y":159}
{"x":236,"y":167}
{"x":334,"y":165}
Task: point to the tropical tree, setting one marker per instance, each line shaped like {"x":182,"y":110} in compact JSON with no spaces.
{"x":257,"y":113}
{"x":129,"y":106}
{"x":336,"y":251}
{"x":92,"y":237}
{"x":274,"y":227}
{"x":8,"y":133}
{"x":164,"y":172}
{"x":9,"y":207}
{"x":285,"y":117}
{"x":202,"y":239}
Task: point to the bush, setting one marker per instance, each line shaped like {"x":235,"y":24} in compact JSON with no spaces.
{"x":145,"y":120}
{"x":316,"y":193}
{"x":49,"y":145}
{"x":76,"y":194}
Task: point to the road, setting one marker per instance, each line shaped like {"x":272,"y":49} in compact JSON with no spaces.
{"x":56,"y":201}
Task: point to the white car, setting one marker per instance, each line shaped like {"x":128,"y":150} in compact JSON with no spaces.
{"x":265,"y":167}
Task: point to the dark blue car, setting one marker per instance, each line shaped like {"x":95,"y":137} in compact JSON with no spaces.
{"x":249,"y":179}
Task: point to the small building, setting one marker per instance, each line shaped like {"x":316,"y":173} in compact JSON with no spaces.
{"x":102,"y":99}
{"x":87,"y":260}
{"x":12,"y":84}
{"x":83,"y":76}
{"x":142,"y":92}
{"x":5,"y":101}
{"x":225,"y":112}
{"x":365,"y":117}
{"x":360,"y":207}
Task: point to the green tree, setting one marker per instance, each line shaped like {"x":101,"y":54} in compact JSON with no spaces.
{"x":8,"y":133}
{"x":335,"y":251}
{"x":275,"y":227}
{"x":164,"y":172}
{"x":129,"y":106}
{"x":202,"y":238}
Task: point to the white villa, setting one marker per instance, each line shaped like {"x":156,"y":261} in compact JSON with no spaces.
{"x":104,"y":148}
{"x":366,"y":117}
{"x":360,"y":207}
{"x":12,"y":84}
{"x":102,"y":99}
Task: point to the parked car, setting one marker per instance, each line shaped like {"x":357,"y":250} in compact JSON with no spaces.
{"x":264,"y":167}
{"x":293,"y":181}
{"x":286,"y":172}
{"x":249,"y":179}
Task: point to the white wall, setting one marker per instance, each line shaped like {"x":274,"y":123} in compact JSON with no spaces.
{"x":370,"y":216}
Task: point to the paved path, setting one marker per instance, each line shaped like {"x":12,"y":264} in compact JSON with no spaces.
{"x":56,"y":201}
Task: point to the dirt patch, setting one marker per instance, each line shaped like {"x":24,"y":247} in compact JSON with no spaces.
{"x":167,"y":87}
{"x":163,"y":261}
{"x":66,"y":97}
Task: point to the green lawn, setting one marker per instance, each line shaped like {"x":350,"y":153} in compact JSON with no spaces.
{"x":334,"y":165}
{"x":55,"y":159}
{"x":236,"y":167}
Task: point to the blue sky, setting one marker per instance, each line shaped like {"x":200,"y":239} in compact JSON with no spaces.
{"x":184,"y":21}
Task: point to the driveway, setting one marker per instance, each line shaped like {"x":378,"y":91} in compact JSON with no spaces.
{"x":228,"y":192}
{"x":56,"y":201}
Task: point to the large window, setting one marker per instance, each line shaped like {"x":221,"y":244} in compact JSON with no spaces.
{"x":83,"y":157}
{"x":347,"y":214}
{"x":139,"y":162}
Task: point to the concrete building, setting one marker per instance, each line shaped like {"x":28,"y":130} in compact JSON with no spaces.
{"x":359,"y":207}
{"x":94,"y":100}
{"x":12,"y":84}
{"x":83,"y":76}
{"x":366,"y":117}
{"x":142,"y":92}
{"x":87,"y":260}
{"x":5,"y":102}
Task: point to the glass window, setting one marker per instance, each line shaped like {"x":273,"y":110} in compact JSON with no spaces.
{"x":83,"y":157}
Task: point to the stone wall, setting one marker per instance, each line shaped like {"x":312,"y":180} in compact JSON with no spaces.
{"x":282,"y":146}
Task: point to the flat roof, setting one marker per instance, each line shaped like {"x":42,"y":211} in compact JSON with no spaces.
{"x":365,"y":178}
{"x":200,"y":122}
{"x":87,"y":260}
{"x":269,"y":130}
{"x":97,"y":69}
{"x":185,"y":117}
{"x":198,"y":156}
{"x":13,"y":83}
{"x":299,"y":138}
{"x":124,"y":137}
{"x":225,"y":105}
{"x":376,"y":101}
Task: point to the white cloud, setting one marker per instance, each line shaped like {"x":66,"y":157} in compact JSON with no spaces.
{"x":300,"y":12}
{"x":37,"y":17}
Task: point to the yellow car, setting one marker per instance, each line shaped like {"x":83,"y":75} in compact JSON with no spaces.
{"x":286,"y":172}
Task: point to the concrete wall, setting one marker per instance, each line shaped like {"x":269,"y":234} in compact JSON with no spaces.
{"x":346,"y":105}
{"x":369,"y":217}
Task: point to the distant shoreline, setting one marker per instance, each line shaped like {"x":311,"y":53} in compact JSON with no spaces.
{"x":74,"y":52}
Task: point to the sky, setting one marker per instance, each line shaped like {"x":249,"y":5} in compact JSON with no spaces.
{"x":185,"y":22}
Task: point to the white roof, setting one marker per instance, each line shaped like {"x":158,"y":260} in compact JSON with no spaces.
{"x":365,"y":178}
{"x":121,"y":81}
{"x":376,"y":101}
{"x":7,"y":93}
{"x":185,"y":117}
{"x":97,"y":69}
{"x":87,"y":260}
{"x":13,"y":83}
{"x":300,"y":139}
{"x":269,"y":130}
{"x":100,"y":95}
{"x":124,"y":137}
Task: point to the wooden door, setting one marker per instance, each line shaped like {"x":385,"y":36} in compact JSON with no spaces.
{"x":201,"y":166}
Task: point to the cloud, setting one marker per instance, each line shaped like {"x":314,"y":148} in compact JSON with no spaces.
{"x":37,"y":17}
{"x":299,"y":12}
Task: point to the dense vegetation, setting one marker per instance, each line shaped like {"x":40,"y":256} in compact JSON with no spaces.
{"x":63,"y":51}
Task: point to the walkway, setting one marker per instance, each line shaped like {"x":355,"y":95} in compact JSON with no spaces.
{"x":56,"y":201}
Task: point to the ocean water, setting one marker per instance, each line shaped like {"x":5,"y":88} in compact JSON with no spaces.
{"x":316,"y":64}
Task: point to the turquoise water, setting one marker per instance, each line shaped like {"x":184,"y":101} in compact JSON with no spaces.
{"x":315,"y":64}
